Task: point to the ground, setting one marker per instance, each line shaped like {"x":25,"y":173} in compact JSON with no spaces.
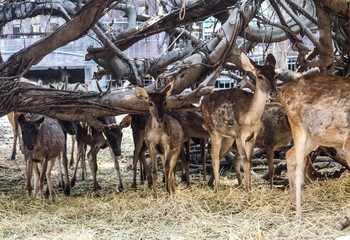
{"x":191,"y":213}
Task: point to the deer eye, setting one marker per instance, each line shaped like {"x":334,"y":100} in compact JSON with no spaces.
{"x":151,"y":104}
{"x":164,"y":104}
{"x":260,"y":77}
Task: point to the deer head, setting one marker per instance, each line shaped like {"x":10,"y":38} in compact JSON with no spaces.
{"x":29,"y":131}
{"x":265,"y":75}
{"x":157,"y":101}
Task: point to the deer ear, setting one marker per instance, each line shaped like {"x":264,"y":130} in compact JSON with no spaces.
{"x":247,"y":63}
{"x":168,"y":89}
{"x":21,"y":119}
{"x":141,"y":93}
{"x":125,"y":122}
{"x":39,"y":122}
{"x":270,"y":60}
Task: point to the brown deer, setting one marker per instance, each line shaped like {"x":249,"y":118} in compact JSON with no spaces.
{"x":163,"y":135}
{"x":111,"y":136}
{"x":191,"y":123}
{"x":13,"y":119}
{"x":42,"y":141}
{"x":236,"y":115}
{"x":318,"y":112}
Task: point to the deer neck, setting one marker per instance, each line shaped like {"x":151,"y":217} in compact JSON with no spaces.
{"x":156,"y":125}
{"x":259,"y":101}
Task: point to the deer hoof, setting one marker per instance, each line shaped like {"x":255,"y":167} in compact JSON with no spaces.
{"x":67,"y":190}
{"x":72,"y":183}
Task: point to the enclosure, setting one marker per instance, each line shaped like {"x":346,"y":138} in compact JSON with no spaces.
{"x":265,"y":51}
{"x":197,"y":212}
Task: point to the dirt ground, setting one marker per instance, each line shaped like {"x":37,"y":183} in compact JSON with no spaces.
{"x":191,"y":213}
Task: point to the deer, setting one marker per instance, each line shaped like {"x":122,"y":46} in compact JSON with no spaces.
{"x":13,"y":119}
{"x":274,"y":135}
{"x":192,"y":126}
{"x":68,"y":127}
{"x":111,"y":137}
{"x":42,"y":141}
{"x":191,"y":123}
{"x":318,"y":112}
{"x":234,"y":115}
{"x":163,"y":135}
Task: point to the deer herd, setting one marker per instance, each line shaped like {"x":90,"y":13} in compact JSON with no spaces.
{"x":306,"y":110}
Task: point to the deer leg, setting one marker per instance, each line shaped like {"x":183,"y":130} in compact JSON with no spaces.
{"x":15,"y":136}
{"x":117,"y":169}
{"x":171,"y":176}
{"x":203,"y":158}
{"x":166,"y":168}
{"x":83,"y":163}
{"x":271,"y":167}
{"x":153,"y":157}
{"x":66,"y":186}
{"x":29,"y":175}
{"x":93,"y":166}
{"x":302,"y":146}
{"x":36,"y":178}
{"x":249,"y":148}
{"x":71,"y":162}
{"x":61,"y":183}
{"x":42,"y":177}
{"x":226,"y":144}
{"x":185,"y":161}
{"x":145,"y":166}
{"x":216,"y":140}
{"x":138,"y":142}
{"x":51,"y":163}
{"x":74,"y":177}
{"x":246,"y":164}
{"x":236,"y":162}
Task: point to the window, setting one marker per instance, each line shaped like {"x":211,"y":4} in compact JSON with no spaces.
{"x":17,"y":30}
{"x":35,"y":29}
{"x":54,"y":27}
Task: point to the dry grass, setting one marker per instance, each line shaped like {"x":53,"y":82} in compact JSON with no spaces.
{"x":195,"y":213}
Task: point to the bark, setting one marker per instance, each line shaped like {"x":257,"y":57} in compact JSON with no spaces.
{"x":73,"y":106}
{"x":18,"y":10}
{"x":74,"y":29}
{"x":269,"y":34}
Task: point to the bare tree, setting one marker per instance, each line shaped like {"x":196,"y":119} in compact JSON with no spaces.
{"x":324,"y":23}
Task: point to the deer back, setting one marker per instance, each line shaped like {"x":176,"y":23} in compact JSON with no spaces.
{"x":191,"y":123}
{"x":42,"y":138}
{"x":321,"y":104}
{"x":276,"y":130}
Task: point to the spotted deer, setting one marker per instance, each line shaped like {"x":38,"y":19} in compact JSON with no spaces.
{"x":236,"y":115}
{"x":163,"y":135}
{"x":274,"y":135}
{"x":318,"y":110}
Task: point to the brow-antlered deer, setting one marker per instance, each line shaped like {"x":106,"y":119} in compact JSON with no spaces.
{"x":236,"y":115}
{"x":318,"y":110}
{"x":42,"y":141}
{"x":274,"y":135}
{"x":13,"y":119}
{"x":68,"y":127}
{"x":163,"y":135}
{"x":111,"y":137}
{"x":191,"y":124}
